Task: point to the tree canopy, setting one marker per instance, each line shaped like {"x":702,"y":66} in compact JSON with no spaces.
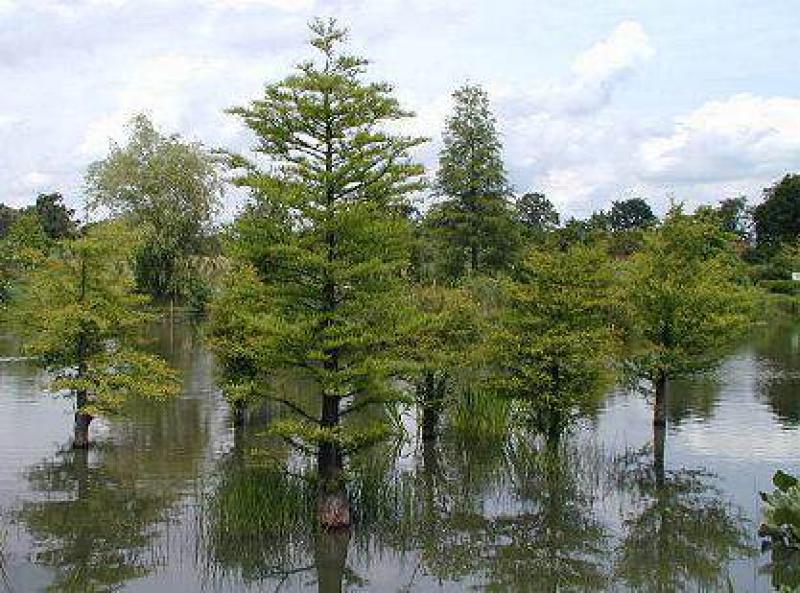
{"x":777,"y":218}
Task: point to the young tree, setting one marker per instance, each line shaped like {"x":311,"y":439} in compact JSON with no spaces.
{"x":318,"y":289}
{"x":688,"y":299}
{"x":556,"y":343}
{"x":450,"y":329}
{"x":777,"y":218}
{"x":475,"y":220}
{"x":78,"y":315}
{"x":171,"y":190}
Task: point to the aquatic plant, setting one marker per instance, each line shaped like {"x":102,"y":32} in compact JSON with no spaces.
{"x":782,"y":511}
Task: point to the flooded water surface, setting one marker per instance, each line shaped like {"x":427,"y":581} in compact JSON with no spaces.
{"x":171,"y":499}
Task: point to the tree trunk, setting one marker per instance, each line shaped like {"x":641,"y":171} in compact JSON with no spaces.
{"x":431,"y":395}
{"x":660,"y":405}
{"x":659,"y":446}
{"x":238,"y":409}
{"x":333,"y":506}
{"x":82,"y":422}
{"x":331,"y":560}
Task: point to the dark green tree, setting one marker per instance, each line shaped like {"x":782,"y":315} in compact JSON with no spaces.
{"x":475,"y":219}
{"x":735,"y":216}
{"x":450,"y":332}
{"x":171,"y":191}
{"x":7,"y":217}
{"x":57,"y":220}
{"x":777,"y":218}
{"x":536,"y":213}
{"x":632,"y":214}
{"x":318,"y":288}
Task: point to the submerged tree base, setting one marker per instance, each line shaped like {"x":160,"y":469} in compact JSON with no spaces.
{"x":81,"y":433}
{"x":333,"y":510}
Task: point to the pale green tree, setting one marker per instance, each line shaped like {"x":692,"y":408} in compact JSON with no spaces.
{"x":171,"y":189}
{"x":80,"y":318}
{"x":689,"y":299}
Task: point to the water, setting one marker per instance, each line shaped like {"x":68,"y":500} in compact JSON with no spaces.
{"x":171,"y":500}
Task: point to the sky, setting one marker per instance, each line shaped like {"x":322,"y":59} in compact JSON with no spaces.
{"x":596,"y":101}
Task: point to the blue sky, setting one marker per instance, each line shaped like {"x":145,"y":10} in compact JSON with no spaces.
{"x":596,"y":100}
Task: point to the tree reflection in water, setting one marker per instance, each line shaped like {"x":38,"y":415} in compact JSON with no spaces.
{"x":93,"y":526}
{"x":784,"y":569}
{"x":538,"y":534}
{"x":680,"y":533}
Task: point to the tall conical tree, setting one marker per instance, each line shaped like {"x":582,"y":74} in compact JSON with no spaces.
{"x":321,"y":253}
{"x":476,"y":217}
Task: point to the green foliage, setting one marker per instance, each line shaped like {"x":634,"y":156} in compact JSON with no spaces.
{"x":7,"y":217}
{"x":782,"y":510}
{"x":474,"y":224}
{"x":630,"y":214}
{"x":24,"y":246}
{"x":555,"y":345}
{"x":536,"y":212}
{"x":171,"y":190}
{"x":777,"y":218}
{"x":57,"y":220}
{"x":317,"y":287}
{"x":78,"y":315}
{"x":688,"y":298}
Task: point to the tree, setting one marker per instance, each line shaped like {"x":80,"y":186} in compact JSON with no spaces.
{"x":57,"y":220}
{"x":631,"y":214}
{"x":688,"y":300}
{"x":78,"y":315}
{"x":318,"y":288}
{"x":24,"y":246}
{"x":536,"y":213}
{"x":7,"y":217}
{"x":475,"y":219}
{"x":449,"y":331}
{"x":777,"y":218}
{"x":171,"y":190}
{"x":556,"y":341}
{"x":734,"y":216}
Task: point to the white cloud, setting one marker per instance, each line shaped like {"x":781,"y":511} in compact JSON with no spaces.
{"x":561,"y":139}
{"x":166,"y":87}
{"x":625,"y":48}
{"x":741,"y":137}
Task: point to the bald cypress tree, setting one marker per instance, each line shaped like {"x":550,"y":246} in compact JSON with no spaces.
{"x":320,"y":256}
{"x":81,"y":320}
{"x":475,"y":220}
